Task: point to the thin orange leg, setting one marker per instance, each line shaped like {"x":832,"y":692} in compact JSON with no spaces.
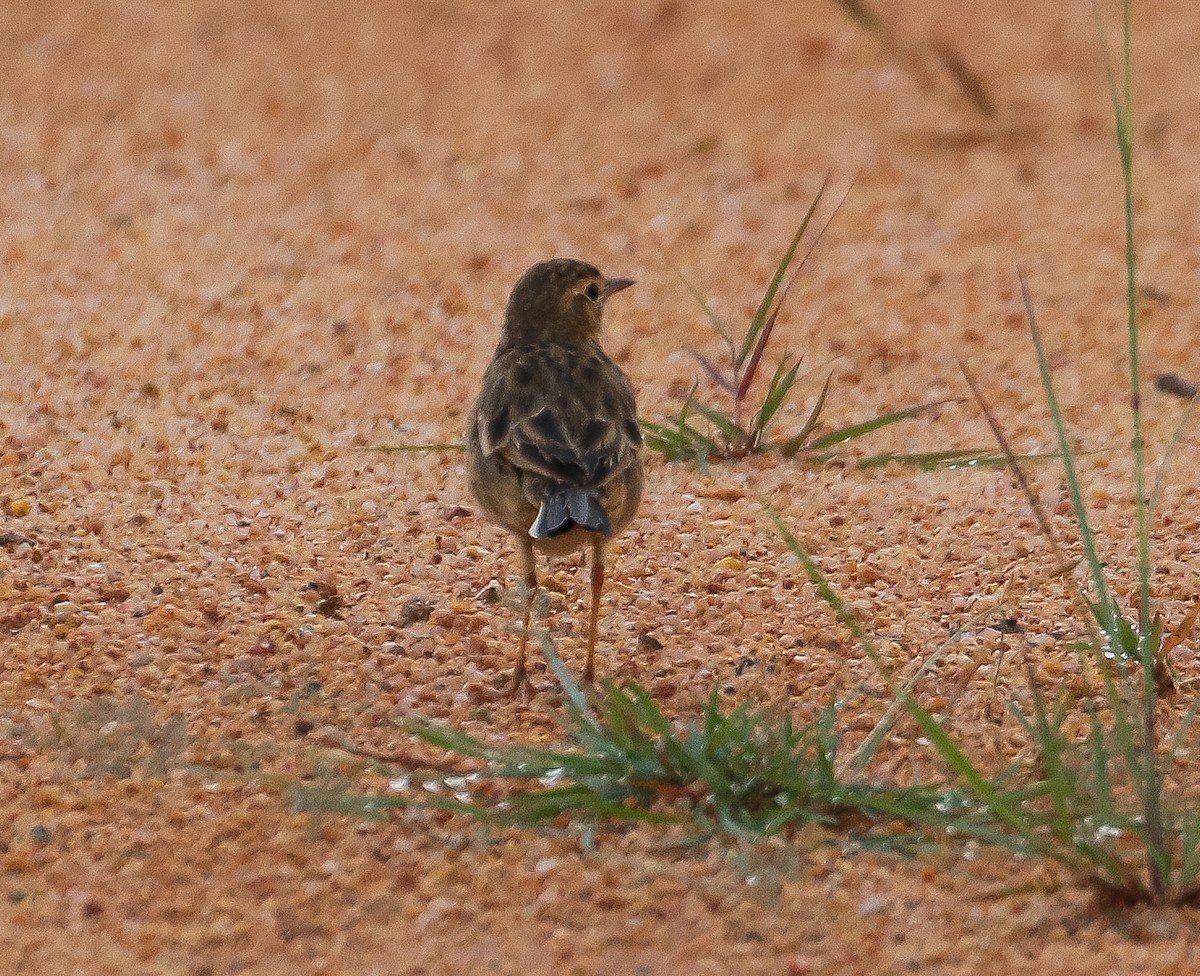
{"x":520,"y":679}
{"x":589,"y":669}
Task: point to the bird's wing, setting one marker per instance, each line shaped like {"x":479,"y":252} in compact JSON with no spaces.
{"x":564,"y":413}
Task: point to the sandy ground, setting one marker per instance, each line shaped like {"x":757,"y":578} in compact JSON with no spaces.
{"x":244,"y":242}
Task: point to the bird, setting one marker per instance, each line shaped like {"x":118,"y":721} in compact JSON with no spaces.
{"x":553,"y":442}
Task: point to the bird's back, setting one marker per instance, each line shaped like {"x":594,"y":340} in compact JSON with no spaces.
{"x":554,"y":417}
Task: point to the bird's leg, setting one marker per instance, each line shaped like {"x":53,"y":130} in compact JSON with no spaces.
{"x":589,"y":669}
{"x":520,"y":682}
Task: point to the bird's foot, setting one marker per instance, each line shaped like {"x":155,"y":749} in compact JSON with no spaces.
{"x":519,"y":686}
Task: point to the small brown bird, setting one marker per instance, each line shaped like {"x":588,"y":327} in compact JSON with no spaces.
{"x":555,"y":451}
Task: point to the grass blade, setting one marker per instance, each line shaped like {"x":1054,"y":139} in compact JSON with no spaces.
{"x":714,"y":374}
{"x":854,"y":431}
{"x":1087,"y":536}
{"x":730,"y":430}
{"x":793,"y":445}
{"x":679,"y":442}
{"x":764,"y":307}
{"x":861,"y":14}
{"x":967,"y":79}
{"x":709,"y":313}
{"x":951,"y":460}
{"x":751,"y":370}
{"x":1185,"y":421}
{"x":777,"y":393}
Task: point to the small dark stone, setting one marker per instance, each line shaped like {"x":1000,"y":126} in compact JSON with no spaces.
{"x":330,"y":607}
{"x":1175,"y":385}
{"x":40,"y":833}
{"x":303,"y":726}
{"x":745,"y":664}
{"x":1008,"y":625}
{"x":416,"y":610}
{"x":489,"y":595}
{"x":648,"y":642}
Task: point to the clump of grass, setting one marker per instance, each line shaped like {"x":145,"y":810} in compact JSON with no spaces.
{"x":739,"y":426}
{"x":1106,"y":806}
{"x":743,"y":772}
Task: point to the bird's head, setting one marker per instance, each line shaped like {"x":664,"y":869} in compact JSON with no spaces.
{"x":558,"y":301}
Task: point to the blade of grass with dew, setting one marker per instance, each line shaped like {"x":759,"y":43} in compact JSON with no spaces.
{"x":505,"y":761}
{"x":1123,"y":112}
{"x":1051,"y":748}
{"x":550,"y":804}
{"x":366,"y":806}
{"x":1106,"y":805}
{"x":951,"y":460}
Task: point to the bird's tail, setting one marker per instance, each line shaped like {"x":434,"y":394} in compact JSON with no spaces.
{"x":564,"y":508}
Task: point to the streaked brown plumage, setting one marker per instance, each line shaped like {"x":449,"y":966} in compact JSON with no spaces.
{"x":554,"y":448}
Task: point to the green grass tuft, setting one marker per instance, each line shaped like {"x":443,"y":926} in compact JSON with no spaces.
{"x":737,"y":428}
{"x":742,"y":772}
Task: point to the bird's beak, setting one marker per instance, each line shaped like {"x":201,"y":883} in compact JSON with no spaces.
{"x":614,"y":285}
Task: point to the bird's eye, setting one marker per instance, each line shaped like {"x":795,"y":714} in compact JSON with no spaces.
{"x":592,"y":291}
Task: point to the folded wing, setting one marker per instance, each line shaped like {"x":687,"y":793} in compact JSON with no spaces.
{"x":563,"y":416}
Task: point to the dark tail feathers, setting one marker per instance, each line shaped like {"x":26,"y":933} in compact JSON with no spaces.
{"x":564,"y":508}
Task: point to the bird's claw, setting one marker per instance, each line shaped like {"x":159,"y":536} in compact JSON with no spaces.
{"x":519,"y":686}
